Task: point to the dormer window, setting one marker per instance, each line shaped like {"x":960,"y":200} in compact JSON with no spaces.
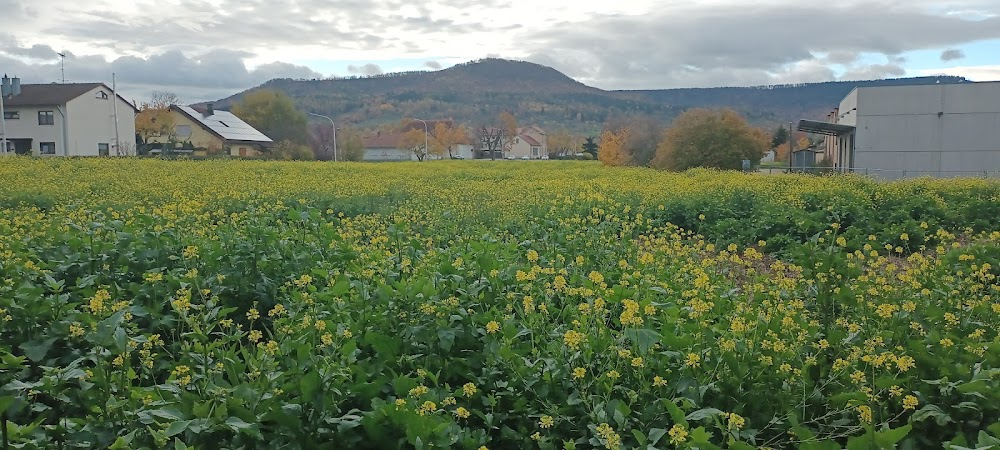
{"x":101,"y":95}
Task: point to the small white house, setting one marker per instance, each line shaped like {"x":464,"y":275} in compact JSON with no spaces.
{"x":77,"y":119}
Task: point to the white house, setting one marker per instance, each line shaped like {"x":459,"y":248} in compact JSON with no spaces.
{"x":944,"y":130}
{"x":530,"y":142}
{"x":77,"y":119}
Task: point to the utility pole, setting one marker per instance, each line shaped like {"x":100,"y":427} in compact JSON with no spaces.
{"x":3,"y":126}
{"x":334,"y":125}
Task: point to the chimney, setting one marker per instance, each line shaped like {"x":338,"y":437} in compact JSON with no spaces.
{"x":211,"y":109}
{"x":5,"y":90}
{"x":15,"y":86}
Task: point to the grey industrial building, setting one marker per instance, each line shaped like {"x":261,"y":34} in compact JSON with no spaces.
{"x":941,"y":130}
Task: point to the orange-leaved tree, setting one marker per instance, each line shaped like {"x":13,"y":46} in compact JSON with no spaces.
{"x":446,"y":137}
{"x":719,"y":139}
{"x":612,"y":151}
{"x":414,"y":141}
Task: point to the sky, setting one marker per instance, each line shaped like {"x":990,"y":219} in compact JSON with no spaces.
{"x":210,"y":49}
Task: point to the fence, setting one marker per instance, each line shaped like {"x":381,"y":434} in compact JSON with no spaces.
{"x":887,"y":174}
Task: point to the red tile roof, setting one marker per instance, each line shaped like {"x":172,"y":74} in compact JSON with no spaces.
{"x":530,"y":140}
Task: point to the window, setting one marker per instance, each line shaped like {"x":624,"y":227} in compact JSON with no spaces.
{"x":101,"y":95}
{"x":534,"y":151}
{"x":11,"y":115}
{"x":103,"y":149}
{"x":47,"y":148}
{"x":182,"y":131}
{"x":46,"y":118}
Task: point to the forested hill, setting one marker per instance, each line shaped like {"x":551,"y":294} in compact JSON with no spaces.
{"x":777,"y":103}
{"x":476,"y":92}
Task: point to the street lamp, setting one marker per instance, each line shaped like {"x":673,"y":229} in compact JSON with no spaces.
{"x":334,"y":133}
{"x":425,"y":136}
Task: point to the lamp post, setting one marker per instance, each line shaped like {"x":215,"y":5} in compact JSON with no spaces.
{"x":425,"y":136}
{"x":334,"y":133}
{"x":3,"y":127}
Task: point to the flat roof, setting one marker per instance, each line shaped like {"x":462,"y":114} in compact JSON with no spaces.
{"x":829,"y":129}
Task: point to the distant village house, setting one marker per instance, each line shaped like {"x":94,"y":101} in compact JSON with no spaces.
{"x":73,"y":119}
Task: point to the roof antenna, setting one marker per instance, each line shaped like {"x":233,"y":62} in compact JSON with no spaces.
{"x":62,"y":64}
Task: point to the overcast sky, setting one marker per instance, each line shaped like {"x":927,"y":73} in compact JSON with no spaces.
{"x":209,"y":49}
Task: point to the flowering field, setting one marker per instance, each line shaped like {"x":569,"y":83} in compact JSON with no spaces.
{"x":251,"y":305}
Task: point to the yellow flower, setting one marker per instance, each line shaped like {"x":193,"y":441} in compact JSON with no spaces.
{"x":614,"y":375}
{"x":346,"y":333}
{"x":492,"y":327}
{"x":462,"y":413}
{"x":253,"y":314}
{"x":693,"y":360}
{"x":469,"y":389}
{"x":537,"y":436}
{"x":546,"y":422}
{"x":678,"y":434}
{"x":910,"y":402}
{"x":658,"y":381}
{"x":735,"y":421}
{"x":532,"y":256}
{"x":573,"y":338}
{"x":255,"y":335}
{"x":865,"y":413}
{"x":400,"y":403}
{"x":579,"y":373}
{"x":76,"y":330}
{"x":638,"y":362}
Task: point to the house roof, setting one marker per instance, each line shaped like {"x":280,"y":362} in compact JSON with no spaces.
{"x":224,"y":124}
{"x":530,"y":140}
{"x":52,"y":94}
{"x":383,"y":140}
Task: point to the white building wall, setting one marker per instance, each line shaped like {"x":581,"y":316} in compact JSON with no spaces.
{"x":938,"y":130}
{"x":27,"y":127}
{"x":92,"y":122}
{"x":389,"y":154}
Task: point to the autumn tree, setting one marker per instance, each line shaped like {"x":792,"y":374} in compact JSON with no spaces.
{"x":613,"y":148}
{"x":641,"y":139}
{"x":446,"y":137}
{"x":710,"y":138}
{"x":154,"y":118}
{"x":350,"y":145}
{"x":414,"y":140}
{"x":273,"y":113}
{"x":508,"y":123}
{"x":321,"y":139}
{"x":561,"y":142}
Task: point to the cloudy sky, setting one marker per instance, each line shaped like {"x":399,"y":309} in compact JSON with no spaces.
{"x":208,"y":49}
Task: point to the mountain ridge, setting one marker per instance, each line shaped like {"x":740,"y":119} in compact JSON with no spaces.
{"x":477,"y":91}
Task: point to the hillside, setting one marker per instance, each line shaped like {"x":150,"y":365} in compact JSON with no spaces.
{"x":476,"y":92}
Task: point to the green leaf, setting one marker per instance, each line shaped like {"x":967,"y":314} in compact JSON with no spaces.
{"x":309,"y":384}
{"x":655,"y":434}
{"x":122,"y":443}
{"x":889,"y":438}
{"x":643,"y":338}
{"x":819,"y":445}
{"x":931,"y":412}
{"x":178,"y":445}
{"x":237,"y":424}
{"x":675,"y":412}
{"x":177,"y":427}
{"x":703,"y":413}
{"x":36,"y":350}
{"x":865,"y":442}
{"x":385,"y":347}
{"x":639,"y":437}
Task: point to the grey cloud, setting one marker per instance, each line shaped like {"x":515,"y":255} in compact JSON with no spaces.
{"x":757,"y":45}
{"x":367,"y":69}
{"x":433,"y":65}
{"x":874,"y":72}
{"x":205,"y":76}
{"x":952,"y":54}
